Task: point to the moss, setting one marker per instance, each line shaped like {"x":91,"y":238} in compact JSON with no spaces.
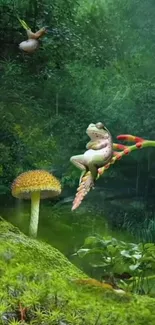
{"x":37,"y":285}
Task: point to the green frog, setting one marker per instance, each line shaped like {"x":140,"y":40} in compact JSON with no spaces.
{"x":99,"y":151}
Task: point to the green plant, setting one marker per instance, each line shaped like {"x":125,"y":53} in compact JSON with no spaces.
{"x":124,"y":264}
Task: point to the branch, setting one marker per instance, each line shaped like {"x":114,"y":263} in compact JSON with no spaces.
{"x":140,"y":143}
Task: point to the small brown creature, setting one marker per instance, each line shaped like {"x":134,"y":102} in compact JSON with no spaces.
{"x":32,"y":44}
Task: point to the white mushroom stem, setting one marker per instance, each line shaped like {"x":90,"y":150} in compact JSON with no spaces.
{"x":35,"y":201}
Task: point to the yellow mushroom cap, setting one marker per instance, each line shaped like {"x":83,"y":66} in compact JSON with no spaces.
{"x":34,"y":181}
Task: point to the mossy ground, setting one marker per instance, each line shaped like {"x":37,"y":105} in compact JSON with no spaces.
{"x":38,"y":277}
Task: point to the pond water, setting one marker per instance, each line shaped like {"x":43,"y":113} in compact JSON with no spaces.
{"x":60,"y":227}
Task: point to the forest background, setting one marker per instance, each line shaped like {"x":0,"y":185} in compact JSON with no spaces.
{"x":97,"y":63}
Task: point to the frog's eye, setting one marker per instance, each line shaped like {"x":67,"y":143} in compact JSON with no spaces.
{"x":100,"y":125}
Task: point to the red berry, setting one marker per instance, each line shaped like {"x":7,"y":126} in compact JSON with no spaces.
{"x":126,"y":151}
{"x":118,"y":157}
{"x":139,"y":144}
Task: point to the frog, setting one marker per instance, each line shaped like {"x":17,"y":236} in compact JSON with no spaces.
{"x":99,"y":151}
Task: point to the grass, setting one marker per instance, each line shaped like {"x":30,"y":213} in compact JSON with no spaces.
{"x":143,"y":231}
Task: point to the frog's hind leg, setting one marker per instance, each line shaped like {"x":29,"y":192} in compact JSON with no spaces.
{"x":93,"y":169}
{"x":78,"y":162}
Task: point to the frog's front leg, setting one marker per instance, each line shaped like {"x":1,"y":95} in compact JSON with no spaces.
{"x":78,"y":161}
{"x":96,"y":145}
{"x":92,"y":145}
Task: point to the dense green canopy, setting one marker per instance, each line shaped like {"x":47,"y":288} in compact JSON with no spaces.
{"x":96,"y":63}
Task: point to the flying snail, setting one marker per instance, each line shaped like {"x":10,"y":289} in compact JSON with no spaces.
{"x":32,"y":43}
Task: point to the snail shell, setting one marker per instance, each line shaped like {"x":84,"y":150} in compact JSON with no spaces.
{"x":29,"y":46}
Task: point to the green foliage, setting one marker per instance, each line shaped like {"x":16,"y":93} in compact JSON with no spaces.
{"x":113,"y":258}
{"x":94,"y":64}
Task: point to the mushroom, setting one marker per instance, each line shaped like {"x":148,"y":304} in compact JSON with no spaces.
{"x":35,"y":185}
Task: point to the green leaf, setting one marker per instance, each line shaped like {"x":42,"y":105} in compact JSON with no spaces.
{"x":113,"y":250}
{"x":83,"y":252}
{"x":90,"y":240}
{"x":134,"y":267}
{"x":137,"y":256}
{"x":126,"y":254}
{"x":149,"y":245}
